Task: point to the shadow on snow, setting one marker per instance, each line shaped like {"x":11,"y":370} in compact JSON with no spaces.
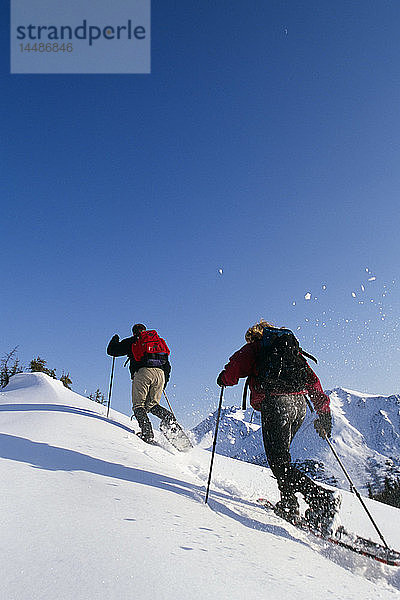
{"x":52,"y":458}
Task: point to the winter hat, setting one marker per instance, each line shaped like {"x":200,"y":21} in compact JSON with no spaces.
{"x":138,"y":328}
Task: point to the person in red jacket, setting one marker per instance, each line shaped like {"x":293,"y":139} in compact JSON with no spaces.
{"x":282,"y":414}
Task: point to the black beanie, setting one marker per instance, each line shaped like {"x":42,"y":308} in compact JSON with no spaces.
{"x":138,"y":327}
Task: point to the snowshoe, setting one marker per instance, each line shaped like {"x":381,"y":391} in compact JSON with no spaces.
{"x":344,"y":539}
{"x":175,"y":435}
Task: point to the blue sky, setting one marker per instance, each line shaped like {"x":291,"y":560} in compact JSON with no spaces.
{"x":265,"y":143}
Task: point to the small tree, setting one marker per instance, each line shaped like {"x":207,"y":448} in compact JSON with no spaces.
{"x":7,"y":370}
{"x":390,"y":493}
{"x":37,"y":365}
{"x":65,"y":378}
{"x":97,"y":397}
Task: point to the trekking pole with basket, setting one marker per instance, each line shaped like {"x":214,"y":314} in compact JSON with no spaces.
{"x":356,"y":492}
{"x":353,"y":488}
{"x":214,"y":443}
{"x":111,"y":382}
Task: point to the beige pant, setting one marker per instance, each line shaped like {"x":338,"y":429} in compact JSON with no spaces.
{"x":147,"y":387}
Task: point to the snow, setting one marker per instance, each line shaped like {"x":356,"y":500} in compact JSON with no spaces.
{"x":358,"y":394}
{"x":89,"y":511}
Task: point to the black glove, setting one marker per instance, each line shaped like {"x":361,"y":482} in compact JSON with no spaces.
{"x":323,"y":425}
{"x":220,"y":379}
{"x":115,"y":338}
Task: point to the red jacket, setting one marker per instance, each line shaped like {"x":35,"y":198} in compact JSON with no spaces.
{"x":244,"y":364}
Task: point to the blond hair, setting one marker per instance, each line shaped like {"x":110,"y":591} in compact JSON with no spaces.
{"x":255,"y":331}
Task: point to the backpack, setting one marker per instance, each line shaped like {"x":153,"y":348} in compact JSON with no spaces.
{"x":281,"y":365}
{"x":150,"y":349}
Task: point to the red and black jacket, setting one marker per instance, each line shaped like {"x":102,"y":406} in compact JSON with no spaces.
{"x":244,"y":364}
{"x":146,"y":349}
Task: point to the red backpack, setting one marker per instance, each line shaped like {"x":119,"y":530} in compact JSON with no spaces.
{"x":149,"y":343}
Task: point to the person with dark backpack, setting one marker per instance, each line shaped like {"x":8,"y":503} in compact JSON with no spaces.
{"x":149,"y":365}
{"x":280,"y":380}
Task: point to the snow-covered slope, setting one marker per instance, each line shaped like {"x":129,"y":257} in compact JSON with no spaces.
{"x":89,"y":511}
{"x":366,"y":432}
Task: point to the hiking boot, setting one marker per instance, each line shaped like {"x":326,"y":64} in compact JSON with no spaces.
{"x":168,"y":422}
{"x":146,"y":437}
{"x":322,"y":514}
{"x":287,"y":508}
{"x":146,"y":433}
{"x":161,"y":412}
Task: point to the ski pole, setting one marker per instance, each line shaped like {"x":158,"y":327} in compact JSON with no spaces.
{"x":352,"y":486}
{"x":111,"y":382}
{"x":170,"y":407}
{"x":215,"y":442}
{"x":354,"y":489}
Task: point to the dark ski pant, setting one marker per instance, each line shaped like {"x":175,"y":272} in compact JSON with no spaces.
{"x":281,"y":418}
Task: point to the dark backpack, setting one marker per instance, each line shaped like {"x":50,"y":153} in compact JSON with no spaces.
{"x":281,"y":366}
